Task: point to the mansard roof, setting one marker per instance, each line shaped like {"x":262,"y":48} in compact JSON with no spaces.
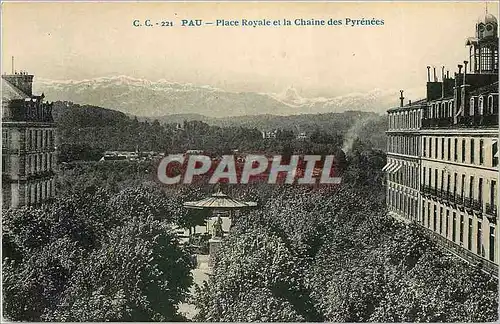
{"x":11,"y":92}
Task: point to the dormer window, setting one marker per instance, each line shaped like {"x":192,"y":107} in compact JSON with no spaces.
{"x":490,"y":104}
{"x":471,"y":107}
{"x":489,"y":27}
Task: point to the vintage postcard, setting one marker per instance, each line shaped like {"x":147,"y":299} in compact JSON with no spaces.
{"x":250,"y":161}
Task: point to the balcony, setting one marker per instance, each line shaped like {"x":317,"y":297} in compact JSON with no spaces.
{"x":469,"y":256}
{"x":477,"y":120}
{"x":477,"y":205}
{"x":428,"y":191}
{"x":468,"y":203}
{"x":437,"y":122}
{"x":462,"y":121}
{"x":491,"y":212}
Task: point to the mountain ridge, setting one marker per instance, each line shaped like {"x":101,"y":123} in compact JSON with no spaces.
{"x":146,"y":98}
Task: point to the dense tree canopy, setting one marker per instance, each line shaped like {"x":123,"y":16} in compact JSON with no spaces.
{"x":105,"y":249}
{"x":95,"y":256}
{"x":343,"y":258}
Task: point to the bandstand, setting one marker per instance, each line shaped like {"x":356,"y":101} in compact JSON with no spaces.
{"x":222,"y":207}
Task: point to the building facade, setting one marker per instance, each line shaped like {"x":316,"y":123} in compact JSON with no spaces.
{"x":28,"y":144}
{"x":403,"y":159}
{"x":455,"y":150}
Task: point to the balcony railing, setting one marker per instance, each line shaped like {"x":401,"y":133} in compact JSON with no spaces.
{"x":448,"y":197}
{"x":477,"y":205}
{"x":462,"y":252}
{"x":462,"y":121}
{"x":491,"y":211}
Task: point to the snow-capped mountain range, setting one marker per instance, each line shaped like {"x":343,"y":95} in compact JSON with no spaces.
{"x":159,"y":98}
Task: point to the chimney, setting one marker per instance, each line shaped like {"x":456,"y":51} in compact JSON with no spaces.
{"x":465,"y":70}
{"x":447,"y":74}
{"x":435,"y":77}
{"x":428,"y":74}
{"x":460,"y":68}
{"x":401,"y":98}
{"x":12,"y":64}
{"x":409,"y":102}
{"x":442,"y":73}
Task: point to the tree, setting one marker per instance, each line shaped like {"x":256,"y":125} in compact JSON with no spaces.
{"x":255,"y":278}
{"x":94,"y":256}
{"x":139,"y":274}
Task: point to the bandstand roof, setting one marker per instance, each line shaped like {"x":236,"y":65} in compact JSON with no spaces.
{"x":219,"y":200}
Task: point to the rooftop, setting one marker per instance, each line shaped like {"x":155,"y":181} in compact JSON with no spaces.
{"x":11,"y":92}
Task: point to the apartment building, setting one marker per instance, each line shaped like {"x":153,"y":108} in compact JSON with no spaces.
{"x":28,"y":144}
{"x":455,"y":149}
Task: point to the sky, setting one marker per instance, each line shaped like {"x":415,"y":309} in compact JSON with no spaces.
{"x":86,"y":40}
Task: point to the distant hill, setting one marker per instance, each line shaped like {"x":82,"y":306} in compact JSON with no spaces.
{"x":107,"y":129}
{"x":103,"y":129}
{"x":146,"y":98}
{"x":341,"y":122}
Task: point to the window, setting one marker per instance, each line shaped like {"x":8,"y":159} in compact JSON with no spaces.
{"x":442,"y":180}
{"x":4,"y":163}
{"x":440,"y":220}
{"x":461,"y":228}
{"x":463,"y":151}
{"x":454,"y":228}
{"x":469,"y":235}
{"x":480,"y":192}
{"x":479,"y":238}
{"x":442,"y":148}
{"x":27,"y":168}
{"x":425,"y":146}
{"x":490,"y":105}
{"x":472,"y":150}
{"x":435,"y":148}
{"x":494,"y":153}
{"x":435,"y":218}
{"x":27,"y":143}
{"x":493,"y":189}
{"x":447,"y":223}
{"x":462,"y":188}
{"x":492,"y":244}
{"x":423,"y":175}
{"x":471,"y":107}
{"x":448,"y":183}
{"x":435,"y":179}
{"x":430,"y":147}
{"x":481,"y":152}
{"x":448,"y":155}
{"x":429,"y":215}
{"x":481,"y":110}
{"x":471,"y":187}
{"x":455,"y":184}
{"x":5,"y":139}
{"x":455,"y":151}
